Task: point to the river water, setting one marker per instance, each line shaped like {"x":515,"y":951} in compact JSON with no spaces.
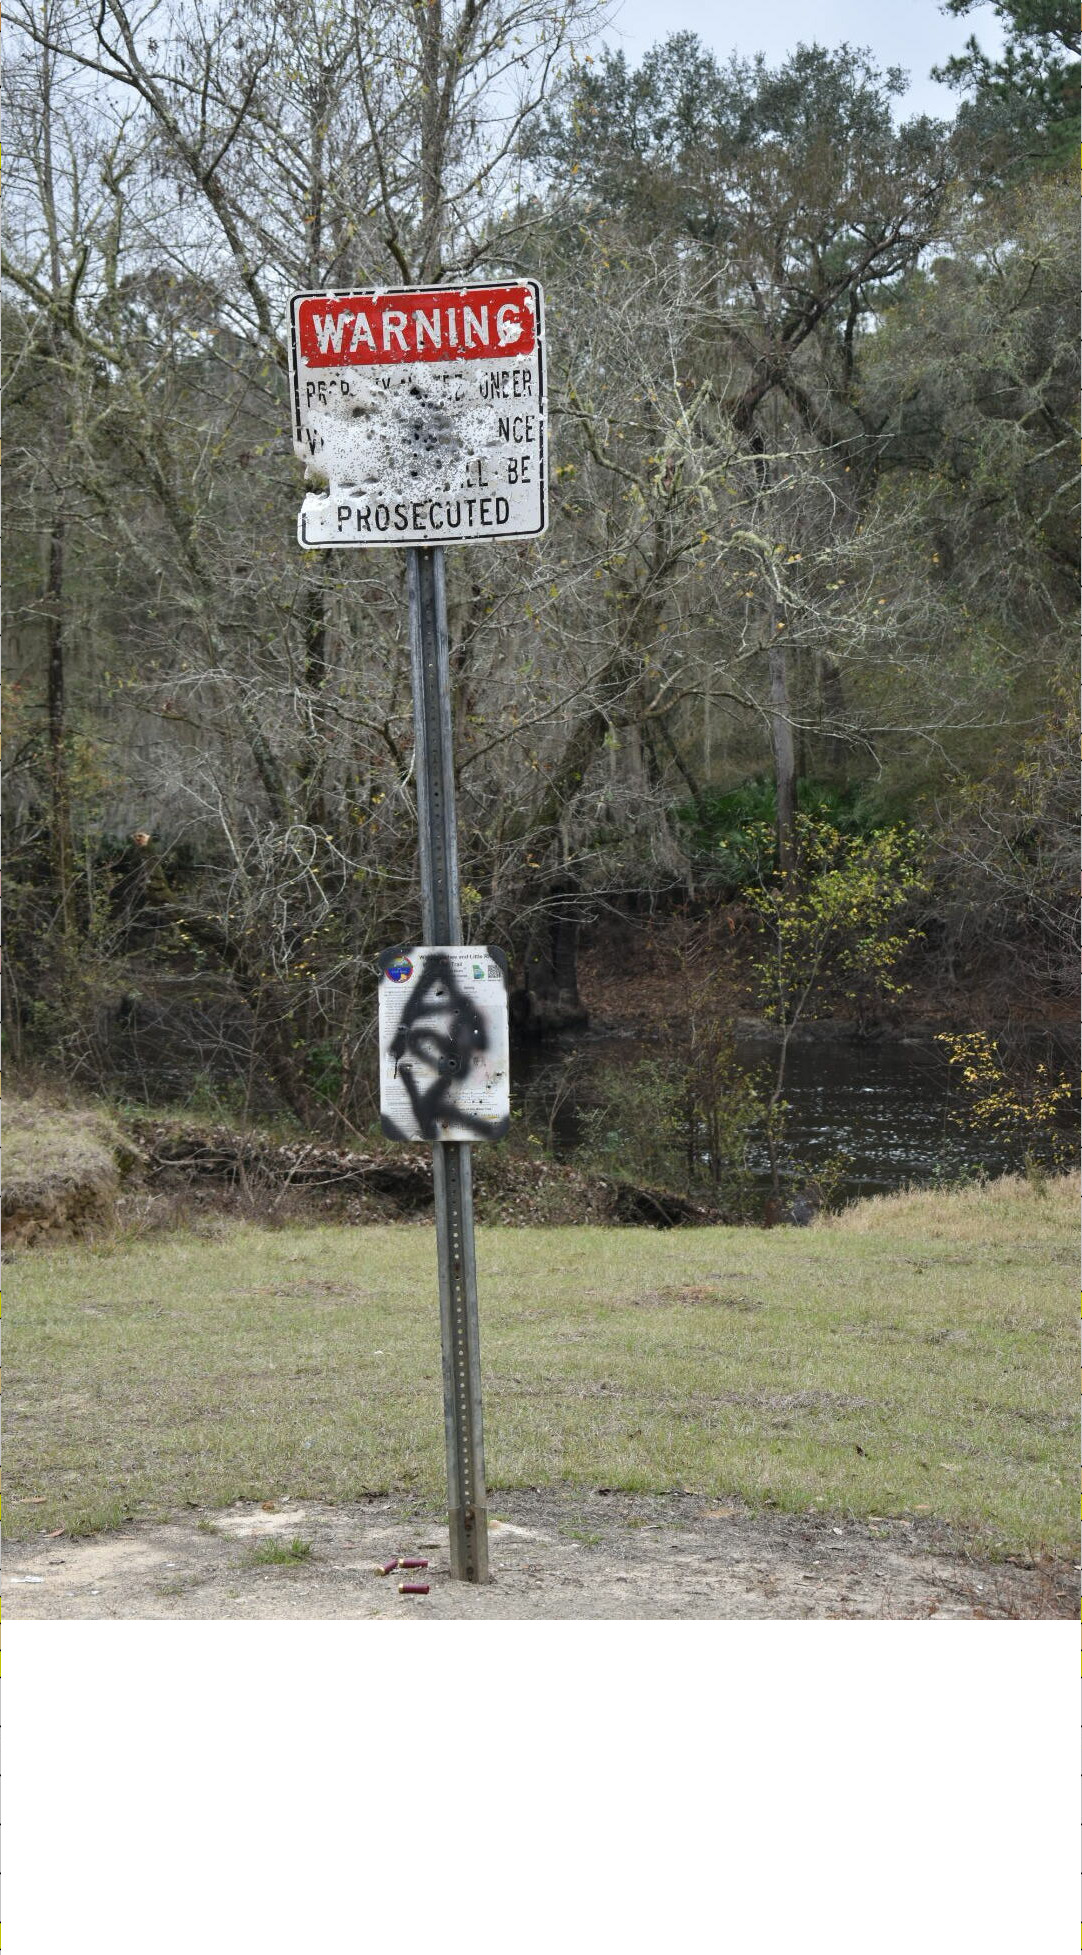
{"x":884,"y":1107}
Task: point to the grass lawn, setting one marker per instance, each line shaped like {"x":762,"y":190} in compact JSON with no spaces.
{"x":914,"y":1355}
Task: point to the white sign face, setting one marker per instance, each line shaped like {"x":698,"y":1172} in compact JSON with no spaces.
{"x":423,"y":411}
{"x":444,"y":1053}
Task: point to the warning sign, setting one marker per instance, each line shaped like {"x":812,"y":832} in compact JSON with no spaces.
{"x":420,"y":414}
{"x":444,"y":1057}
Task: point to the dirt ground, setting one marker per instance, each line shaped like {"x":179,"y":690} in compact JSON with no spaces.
{"x":594,"y":1555}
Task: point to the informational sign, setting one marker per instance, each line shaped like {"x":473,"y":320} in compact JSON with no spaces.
{"x":444,"y":1055}
{"x":420,"y":414}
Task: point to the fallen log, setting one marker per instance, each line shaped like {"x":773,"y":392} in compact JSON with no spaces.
{"x":507,"y":1189}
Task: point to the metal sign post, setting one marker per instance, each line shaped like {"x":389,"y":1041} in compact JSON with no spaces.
{"x":452,"y":1171}
{"x":420,"y":414}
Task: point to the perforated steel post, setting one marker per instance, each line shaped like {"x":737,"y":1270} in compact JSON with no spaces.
{"x":452,"y":1171}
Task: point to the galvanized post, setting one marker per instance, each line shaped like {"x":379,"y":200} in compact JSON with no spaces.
{"x":452,"y":1172}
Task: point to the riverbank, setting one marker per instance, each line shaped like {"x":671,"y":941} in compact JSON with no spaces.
{"x":89,"y":1173}
{"x":636,"y":972}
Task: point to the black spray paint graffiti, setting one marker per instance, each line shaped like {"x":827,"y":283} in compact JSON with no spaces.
{"x":439,"y":1035}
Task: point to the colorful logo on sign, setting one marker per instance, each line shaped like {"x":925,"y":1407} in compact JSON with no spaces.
{"x":400,"y":970}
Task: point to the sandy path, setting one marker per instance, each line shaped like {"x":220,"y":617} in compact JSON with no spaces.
{"x":563,"y":1555}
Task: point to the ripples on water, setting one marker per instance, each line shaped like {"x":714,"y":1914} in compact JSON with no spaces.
{"x":884,"y":1105}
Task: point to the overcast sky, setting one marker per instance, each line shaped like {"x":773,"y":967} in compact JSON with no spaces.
{"x":913,"y":35}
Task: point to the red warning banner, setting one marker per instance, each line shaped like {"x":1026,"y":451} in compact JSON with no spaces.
{"x":382,"y":329}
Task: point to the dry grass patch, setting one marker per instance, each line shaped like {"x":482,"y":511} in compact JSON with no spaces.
{"x":696,"y":1296}
{"x":1013,"y":1211}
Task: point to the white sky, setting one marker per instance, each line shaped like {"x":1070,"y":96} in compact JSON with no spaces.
{"x":911,"y":34}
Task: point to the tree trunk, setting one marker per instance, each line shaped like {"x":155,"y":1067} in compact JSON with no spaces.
{"x":781,"y":739}
{"x":548,"y":1000}
{"x":56,"y":710}
{"x":693,"y":786}
{"x":832,"y":707}
{"x":315,"y":676}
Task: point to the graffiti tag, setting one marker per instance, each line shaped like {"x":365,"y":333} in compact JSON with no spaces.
{"x":444,"y":1044}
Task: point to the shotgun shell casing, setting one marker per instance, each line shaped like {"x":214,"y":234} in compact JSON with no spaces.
{"x":388,"y":1567}
{"x":413,"y":1588}
{"x":412,"y":1561}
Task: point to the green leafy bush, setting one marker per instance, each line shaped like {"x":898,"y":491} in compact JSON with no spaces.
{"x":732,"y":833}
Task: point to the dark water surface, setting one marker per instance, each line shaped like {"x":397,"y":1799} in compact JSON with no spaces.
{"x":886,"y":1105}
